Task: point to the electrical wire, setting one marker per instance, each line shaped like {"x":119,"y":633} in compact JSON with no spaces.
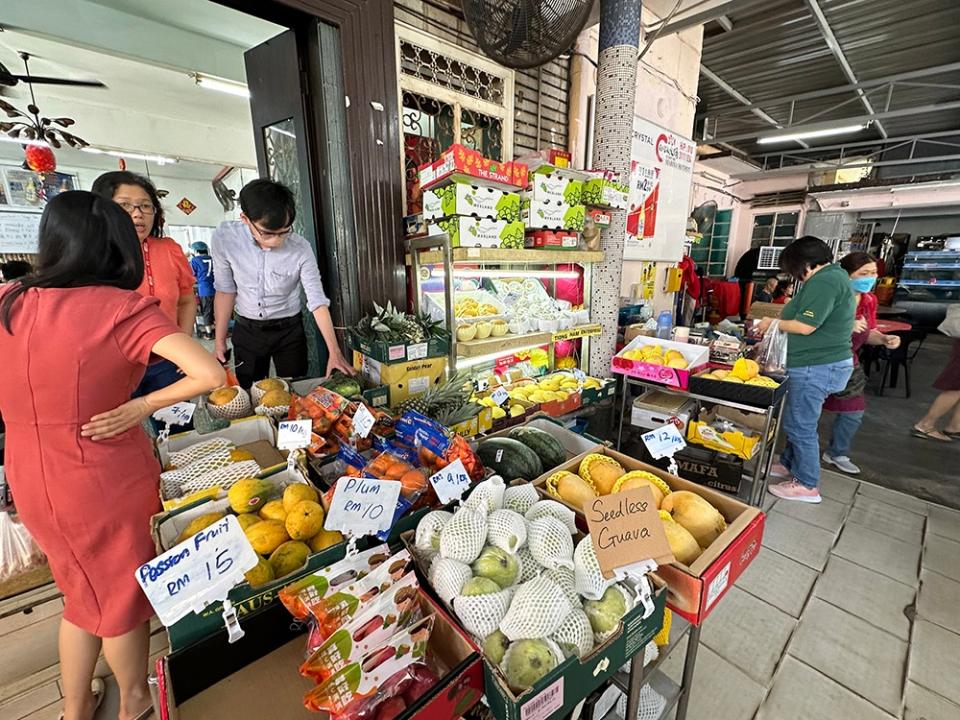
{"x":663,"y":24}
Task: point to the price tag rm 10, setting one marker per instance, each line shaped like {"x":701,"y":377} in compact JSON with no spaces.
{"x":294,"y":434}
{"x":664,"y":441}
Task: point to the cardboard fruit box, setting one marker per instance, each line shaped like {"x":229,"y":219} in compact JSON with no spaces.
{"x":743,"y":442}
{"x":696,"y":357}
{"x":479,"y":201}
{"x":258,"y":676}
{"x":694,"y":590}
{"x":480,"y":232}
{"x":402,"y":380}
{"x":552,"y":215}
{"x":551,"y":240}
{"x":756,"y":395}
{"x":462,"y":163}
{"x":399,"y":352}
{"x":556,"y":186}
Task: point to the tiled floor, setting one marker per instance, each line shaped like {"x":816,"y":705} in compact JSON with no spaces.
{"x":851,"y":611}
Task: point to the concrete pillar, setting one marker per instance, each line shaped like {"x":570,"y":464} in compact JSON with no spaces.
{"x":613,"y":137}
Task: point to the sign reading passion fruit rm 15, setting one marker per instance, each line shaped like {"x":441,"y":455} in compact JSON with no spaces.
{"x":626,"y":529}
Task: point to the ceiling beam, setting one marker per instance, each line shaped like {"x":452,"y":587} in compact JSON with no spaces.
{"x":840,"y":122}
{"x":865,"y":143}
{"x":700,"y":13}
{"x":827,"y":32}
{"x":851,"y":165}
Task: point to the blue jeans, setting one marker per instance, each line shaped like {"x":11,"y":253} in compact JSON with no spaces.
{"x":845,"y":426}
{"x":809,"y":387}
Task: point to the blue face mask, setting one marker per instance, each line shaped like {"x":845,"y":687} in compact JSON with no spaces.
{"x":863,"y":284}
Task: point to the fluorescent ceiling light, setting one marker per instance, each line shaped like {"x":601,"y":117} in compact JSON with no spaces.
{"x":471,"y":273}
{"x":220,"y":85}
{"x":481,"y":359}
{"x":158,"y":159}
{"x":844,"y":130}
{"x":22,"y":141}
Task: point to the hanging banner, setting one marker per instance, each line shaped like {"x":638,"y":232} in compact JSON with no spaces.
{"x":661,"y":175}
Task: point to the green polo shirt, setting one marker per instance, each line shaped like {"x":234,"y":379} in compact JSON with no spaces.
{"x":826,"y":302}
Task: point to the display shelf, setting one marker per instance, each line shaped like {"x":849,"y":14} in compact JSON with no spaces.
{"x":511,"y":256}
{"x":662,"y":685}
{"x":931,"y":283}
{"x":490,"y":345}
{"x":678,"y":631}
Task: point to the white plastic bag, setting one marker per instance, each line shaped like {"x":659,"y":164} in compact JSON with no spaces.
{"x":772,"y":350}
{"x":951,"y":323}
{"x":18,"y":551}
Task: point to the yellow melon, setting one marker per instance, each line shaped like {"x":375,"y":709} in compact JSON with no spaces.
{"x":275,"y":398}
{"x":222,"y":396}
{"x":268,"y":384}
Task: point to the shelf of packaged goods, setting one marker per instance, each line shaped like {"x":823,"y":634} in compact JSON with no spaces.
{"x":932,"y":266}
{"x":511,"y":256}
{"x":929,"y":284}
{"x":493,"y":345}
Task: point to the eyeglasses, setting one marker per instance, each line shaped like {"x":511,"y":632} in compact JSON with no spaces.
{"x":272,"y":234}
{"x":144,"y":208}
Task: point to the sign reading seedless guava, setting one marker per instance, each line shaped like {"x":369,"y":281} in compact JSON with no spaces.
{"x":626,"y":529}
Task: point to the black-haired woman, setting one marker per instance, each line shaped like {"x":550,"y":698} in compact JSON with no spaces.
{"x":166,"y":273}
{"x":76,"y":338}
{"x":819,"y":321}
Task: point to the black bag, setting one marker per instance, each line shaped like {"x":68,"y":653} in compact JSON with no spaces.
{"x":856,"y":385}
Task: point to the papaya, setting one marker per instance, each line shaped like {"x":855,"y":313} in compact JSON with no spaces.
{"x":273,"y":510}
{"x":248,"y":519}
{"x":601,"y":471}
{"x":260,"y":574}
{"x":697,"y":515}
{"x":288,"y":557}
{"x":249,"y":495}
{"x":198,"y":524}
{"x":324,"y":539}
{"x":570,"y":488}
{"x":304,"y":520}
{"x":297,"y":492}
{"x":641,"y":478}
{"x":266,"y":536}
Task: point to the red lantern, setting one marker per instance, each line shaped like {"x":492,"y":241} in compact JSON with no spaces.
{"x":40,"y":158}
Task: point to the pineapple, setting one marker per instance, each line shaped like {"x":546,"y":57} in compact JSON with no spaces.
{"x":441,"y":400}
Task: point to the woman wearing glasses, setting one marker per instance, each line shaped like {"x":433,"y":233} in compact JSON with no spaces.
{"x":259,"y":267}
{"x":166,"y":274}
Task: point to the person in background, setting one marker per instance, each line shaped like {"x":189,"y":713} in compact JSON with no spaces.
{"x":784,"y":292}
{"x":744,"y":271}
{"x":948,"y":401}
{"x":819,"y":323}
{"x":76,"y":338}
{"x":166,"y":274}
{"x":202,"y":265}
{"x":765,"y":292}
{"x":14,"y":270}
{"x":851,"y":403}
{"x":259,"y":266}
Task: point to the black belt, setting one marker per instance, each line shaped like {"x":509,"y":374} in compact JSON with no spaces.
{"x":274,"y":324}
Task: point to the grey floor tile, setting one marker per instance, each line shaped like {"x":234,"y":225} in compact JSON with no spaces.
{"x":828,"y":514}
{"x":720,"y":690}
{"x":876,"y":551}
{"x":851,"y":651}
{"x":935,"y":661}
{"x":941,"y":555}
{"x":801,"y":693}
{"x":944,"y":522}
{"x":782,"y":582}
{"x":892,"y":497}
{"x":748,"y":633}
{"x":673,"y":665}
{"x":768,"y":502}
{"x":867,"y":594}
{"x":838,"y":487}
{"x":796,"y":539}
{"x":939,"y":601}
{"x":878,"y":515}
{"x":921,"y":704}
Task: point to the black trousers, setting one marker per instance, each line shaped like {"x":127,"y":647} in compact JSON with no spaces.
{"x":257,"y":342}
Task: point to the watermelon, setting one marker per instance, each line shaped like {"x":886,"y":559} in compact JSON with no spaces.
{"x":510,"y":459}
{"x":545,"y":445}
{"x":342,"y":384}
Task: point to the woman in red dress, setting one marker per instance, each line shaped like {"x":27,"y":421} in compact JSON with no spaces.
{"x":75,"y":339}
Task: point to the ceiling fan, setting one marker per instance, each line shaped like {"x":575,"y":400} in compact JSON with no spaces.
{"x":9,"y":79}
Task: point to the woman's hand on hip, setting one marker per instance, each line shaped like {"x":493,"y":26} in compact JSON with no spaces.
{"x":117,"y":421}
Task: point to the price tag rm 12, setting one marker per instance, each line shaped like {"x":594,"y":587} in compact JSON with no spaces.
{"x":664,"y":441}
{"x":362,"y":506}
{"x":451,"y":482}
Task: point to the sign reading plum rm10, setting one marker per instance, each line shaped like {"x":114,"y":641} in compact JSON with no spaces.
{"x":198,"y":571}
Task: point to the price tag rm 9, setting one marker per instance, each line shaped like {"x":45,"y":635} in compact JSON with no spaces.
{"x":451,"y":482}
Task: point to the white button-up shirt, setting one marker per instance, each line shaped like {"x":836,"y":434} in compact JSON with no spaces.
{"x":266,"y":282}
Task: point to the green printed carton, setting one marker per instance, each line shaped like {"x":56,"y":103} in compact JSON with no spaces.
{"x":553,"y":215}
{"x":601,"y":191}
{"x":555,"y":187}
{"x":479,"y":201}
{"x":481,"y":232}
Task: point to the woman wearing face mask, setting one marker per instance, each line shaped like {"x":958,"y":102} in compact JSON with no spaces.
{"x":850,"y":404}
{"x":819,"y":322}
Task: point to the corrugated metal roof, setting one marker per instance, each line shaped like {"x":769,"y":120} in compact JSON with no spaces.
{"x":777,"y":50}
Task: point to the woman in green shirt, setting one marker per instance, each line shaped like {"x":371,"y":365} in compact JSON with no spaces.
{"x":819,"y":321}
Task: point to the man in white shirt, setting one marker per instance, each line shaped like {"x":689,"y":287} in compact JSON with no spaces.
{"x":259,"y":267}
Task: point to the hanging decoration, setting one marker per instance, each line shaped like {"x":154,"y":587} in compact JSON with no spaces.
{"x":40,"y":158}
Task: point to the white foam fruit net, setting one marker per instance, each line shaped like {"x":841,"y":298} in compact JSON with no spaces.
{"x":651,"y":705}
{"x":550,"y":543}
{"x":538,"y":609}
{"x":650,"y":653}
{"x":275,"y":411}
{"x":222,"y":478}
{"x":529,"y":568}
{"x":575,"y":635}
{"x":487,"y":496}
{"x":464,"y":535}
{"x":551,"y":508}
{"x":239,"y":407}
{"x":520,"y":498}
{"x":182,"y":458}
{"x":200,"y":466}
{"x":448,"y":576}
{"x":589,"y":580}
{"x":428,"y":529}
{"x":481,"y":614}
{"x":256,"y":394}
{"x":506,"y":530}
{"x":564,"y":577}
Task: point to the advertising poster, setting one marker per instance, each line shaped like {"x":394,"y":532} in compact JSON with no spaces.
{"x":660,"y":184}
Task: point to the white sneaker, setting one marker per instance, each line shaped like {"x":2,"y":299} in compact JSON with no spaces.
{"x":842,"y":462}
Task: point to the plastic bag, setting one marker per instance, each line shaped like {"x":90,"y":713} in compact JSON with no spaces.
{"x":18,"y":551}
{"x":772,"y":350}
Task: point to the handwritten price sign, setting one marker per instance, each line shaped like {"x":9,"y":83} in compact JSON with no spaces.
{"x":178,"y":414}
{"x":362,"y":506}
{"x":293,"y":434}
{"x":199,"y":571}
{"x":451,"y":482}
{"x":664,"y":441}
